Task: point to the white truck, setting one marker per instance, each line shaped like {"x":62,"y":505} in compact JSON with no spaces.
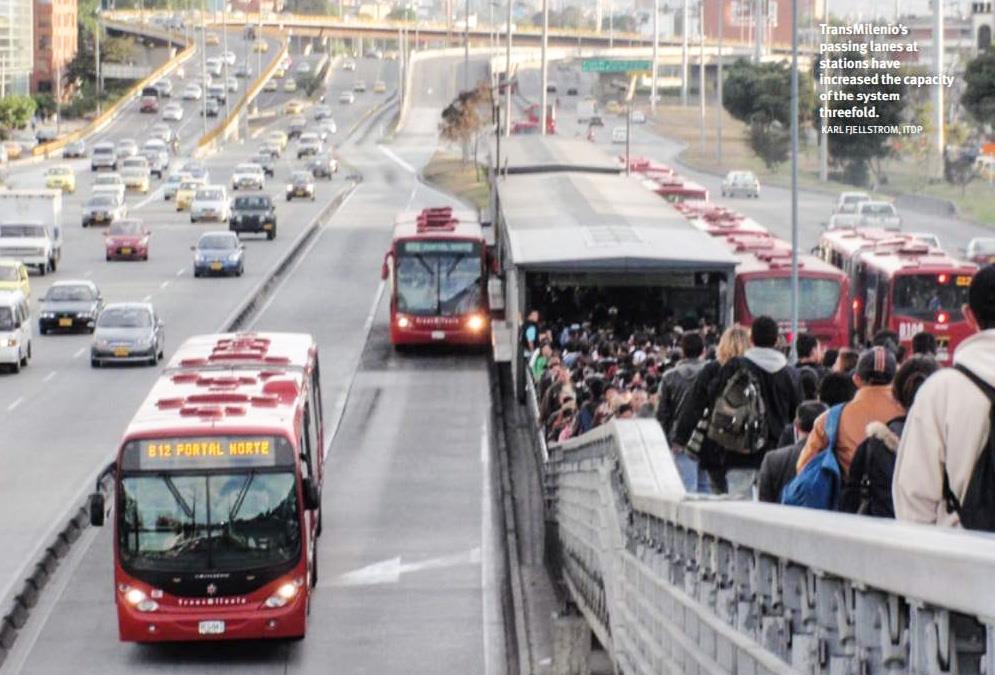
{"x":586,"y":110}
{"x":31,"y":227}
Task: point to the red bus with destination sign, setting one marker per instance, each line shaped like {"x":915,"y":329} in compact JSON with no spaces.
{"x":437,"y":270}
{"x":217,"y":503}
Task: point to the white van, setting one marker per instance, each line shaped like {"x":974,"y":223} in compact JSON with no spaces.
{"x":15,"y":330}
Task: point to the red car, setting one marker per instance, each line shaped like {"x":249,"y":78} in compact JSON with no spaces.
{"x":150,"y":104}
{"x":127,"y":239}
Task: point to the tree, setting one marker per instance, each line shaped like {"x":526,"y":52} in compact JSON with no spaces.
{"x":463,"y":120}
{"x":15,"y":112}
{"x":117,"y":50}
{"x":979,"y":88}
{"x":402,"y":14}
{"x":623,"y":23}
{"x":959,"y":169}
{"x":313,"y":7}
{"x":755,"y":94}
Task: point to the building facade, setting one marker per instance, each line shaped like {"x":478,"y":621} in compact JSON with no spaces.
{"x":55,"y":42}
{"x":16,"y":51}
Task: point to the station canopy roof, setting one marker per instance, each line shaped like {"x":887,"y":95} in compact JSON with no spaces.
{"x":533,"y":154}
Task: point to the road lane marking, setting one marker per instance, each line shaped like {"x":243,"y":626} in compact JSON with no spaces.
{"x":146,"y":298}
{"x":48,"y":378}
{"x":88,"y":274}
{"x":79,"y":352}
{"x":164,"y":285}
{"x":400,"y":162}
{"x":180,"y":271}
{"x":155,"y":194}
{"x":18,"y":401}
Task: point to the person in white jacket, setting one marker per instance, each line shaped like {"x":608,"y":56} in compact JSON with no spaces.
{"x":948,"y":425}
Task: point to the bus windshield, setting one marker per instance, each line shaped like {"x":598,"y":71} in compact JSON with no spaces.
{"x":219,"y":521}
{"x":438,"y":278}
{"x":817,"y":298}
{"x":921,"y":296}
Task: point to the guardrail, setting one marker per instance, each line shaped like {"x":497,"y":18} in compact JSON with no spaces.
{"x":677,"y":583}
{"x":100,"y":121}
{"x":208,"y":141}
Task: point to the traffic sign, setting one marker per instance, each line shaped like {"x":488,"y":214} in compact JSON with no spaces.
{"x":611,"y":66}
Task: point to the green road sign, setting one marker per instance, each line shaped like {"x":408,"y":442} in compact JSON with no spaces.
{"x":611,"y":66}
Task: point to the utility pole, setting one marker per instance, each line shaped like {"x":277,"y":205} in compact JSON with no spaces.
{"x":794,"y":181}
{"x":466,"y":46}
{"x":507,"y":75}
{"x":544,"y":76}
{"x":718,"y":87}
{"x":686,"y":14}
{"x":701,"y":70}
{"x":96,"y":64}
{"x":656,"y":52}
{"x":224,"y":60}
{"x":938,"y":47}
{"x":203,"y":65}
{"x":58,"y":100}
{"x":759,"y":21}
{"x":611,"y":26}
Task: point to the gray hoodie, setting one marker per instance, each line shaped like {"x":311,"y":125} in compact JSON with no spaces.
{"x":947,"y":427}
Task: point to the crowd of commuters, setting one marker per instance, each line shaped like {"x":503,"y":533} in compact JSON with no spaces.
{"x":908,"y":438}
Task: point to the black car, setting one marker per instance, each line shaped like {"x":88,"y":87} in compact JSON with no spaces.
{"x":571,"y":91}
{"x":596,"y":121}
{"x":70,"y":306}
{"x":297,"y":127}
{"x":253,"y":213}
{"x":265,"y":160}
{"x":211,"y":107}
{"x":323,"y":166}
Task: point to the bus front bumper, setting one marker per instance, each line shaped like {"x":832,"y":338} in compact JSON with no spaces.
{"x":207,"y":625}
{"x":406,"y":330}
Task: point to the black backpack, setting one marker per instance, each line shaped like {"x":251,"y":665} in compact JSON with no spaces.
{"x":977,"y":510}
{"x":738,"y":422}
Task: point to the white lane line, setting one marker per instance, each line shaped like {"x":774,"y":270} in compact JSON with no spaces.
{"x":88,"y":274}
{"x":48,"y":378}
{"x":79,"y":352}
{"x":164,"y":285}
{"x":146,"y":298}
{"x":18,"y":401}
{"x":390,"y":153}
{"x":180,"y":271}
{"x":155,"y":194}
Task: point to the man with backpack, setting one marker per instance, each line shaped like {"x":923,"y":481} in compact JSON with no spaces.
{"x":674,"y":387}
{"x":758,"y":395}
{"x":945,"y":469}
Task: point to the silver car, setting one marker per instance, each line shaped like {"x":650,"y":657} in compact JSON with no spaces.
{"x":103,"y":209}
{"x":128,"y":332}
{"x":741,"y":183}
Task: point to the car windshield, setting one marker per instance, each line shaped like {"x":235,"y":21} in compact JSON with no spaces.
{"x":217,"y":242}
{"x":8,"y":273}
{"x":248,"y":168}
{"x":982,"y":246}
{"x":126,"y":227}
{"x":101,"y":201}
{"x":6,"y":318}
{"x":854,"y":199}
{"x":818,"y":298}
{"x":103,"y":150}
{"x":60,"y":171}
{"x":923,"y":296}
{"x":219,"y":521}
{"x":209,"y":195}
{"x":438,"y":277}
{"x":107,"y":180}
{"x":67,"y":293}
{"x":255,"y":202}
{"x":124,"y":317}
{"x":15,"y":231}
{"x":877,"y":209}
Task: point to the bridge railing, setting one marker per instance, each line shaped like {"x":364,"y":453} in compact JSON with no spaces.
{"x":672,"y":582}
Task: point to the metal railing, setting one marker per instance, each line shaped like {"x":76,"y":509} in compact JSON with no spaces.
{"x":678,"y":583}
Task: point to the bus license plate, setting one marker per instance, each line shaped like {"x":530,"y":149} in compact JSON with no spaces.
{"x":438,"y":335}
{"x":211,"y":627}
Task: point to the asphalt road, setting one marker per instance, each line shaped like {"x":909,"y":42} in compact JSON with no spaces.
{"x":772,"y":209}
{"x":61,"y":420}
{"x":408,"y":484}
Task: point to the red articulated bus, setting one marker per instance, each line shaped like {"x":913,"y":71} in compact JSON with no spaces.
{"x":676,"y":189}
{"x":437,"y":268}
{"x":217,"y":494}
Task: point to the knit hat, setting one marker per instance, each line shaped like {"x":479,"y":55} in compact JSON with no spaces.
{"x":877,"y":366}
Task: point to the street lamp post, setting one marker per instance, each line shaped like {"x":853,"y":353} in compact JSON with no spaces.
{"x":96,"y":62}
{"x":701,"y":69}
{"x":794,"y":180}
{"x":686,"y":14}
{"x":718,"y":87}
{"x":656,"y":51}
{"x":507,"y":75}
{"x":544,"y":76}
{"x":203,"y":65}
{"x":224,"y":60}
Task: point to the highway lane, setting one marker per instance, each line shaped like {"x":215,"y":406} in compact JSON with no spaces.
{"x":44,"y":472}
{"x":408,"y":477}
{"x":773,"y":207}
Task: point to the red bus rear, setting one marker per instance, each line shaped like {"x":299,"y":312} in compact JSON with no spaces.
{"x":676,"y":189}
{"x":437,"y":273}
{"x":217,"y":498}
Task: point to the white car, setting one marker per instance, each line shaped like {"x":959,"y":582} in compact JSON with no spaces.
{"x":248,"y":176}
{"x":741,"y":183}
{"x":214,"y":66}
{"x":229,"y":56}
{"x":232,"y":83}
{"x":349,"y":65}
{"x":192,"y":92}
{"x":210,"y":203}
{"x":638,"y":117}
{"x":15,"y":330}
{"x":162,"y":132}
{"x":347,"y":97}
{"x":126,"y":148}
{"x":878,"y":214}
{"x":848,"y":201}
{"x":109,"y":182}
{"x":619,"y":135}
{"x":173,"y":112}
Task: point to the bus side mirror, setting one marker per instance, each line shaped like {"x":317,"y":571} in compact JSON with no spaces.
{"x":96,"y":509}
{"x":312,"y":500}
{"x":385,"y":269}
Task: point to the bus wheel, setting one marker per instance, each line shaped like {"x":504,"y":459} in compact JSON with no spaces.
{"x":314,"y":575}
{"x":317,"y":531}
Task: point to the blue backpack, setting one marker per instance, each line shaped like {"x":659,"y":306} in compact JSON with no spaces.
{"x":818,"y":484}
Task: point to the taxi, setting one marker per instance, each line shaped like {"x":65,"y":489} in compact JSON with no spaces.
{"x":613,"y":107}
{"x":61,"y":177}
{"x":280,"y":71}
{"x":260,"y":46}
{"x":279,"y":137}
{"x":290,"y":85}
{"x":212,"y":39}
{"x":14,"y":277}
{"x":13,"y":148}
{"x":293,"y":107}
{"x":185,"y":193}
{"x":379,"y":87}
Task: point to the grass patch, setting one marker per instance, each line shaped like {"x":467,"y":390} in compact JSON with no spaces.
{"x":450,"y":174}
{"x":905,"y":175}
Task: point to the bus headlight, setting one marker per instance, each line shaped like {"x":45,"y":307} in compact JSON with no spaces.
{"x":403,"y":321}
{"x":284,"y":594}
{"x":476,"y":323}
{"x":137,"y":599}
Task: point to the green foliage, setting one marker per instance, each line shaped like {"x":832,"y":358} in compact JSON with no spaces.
{"x":771,"y":142}
{"x":623,"y":23}
{"x":117,"y":50}
{"x":44,"y":104}
{"x":979,"y":88}
{"x":847,"y":148}
{"x":568,"y":17}
{"x":313,"y":7}
{"x":402,"y":14}
{"x":751,"y":90}
{"x":959,"y":170}
{"x":16,"y":111}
